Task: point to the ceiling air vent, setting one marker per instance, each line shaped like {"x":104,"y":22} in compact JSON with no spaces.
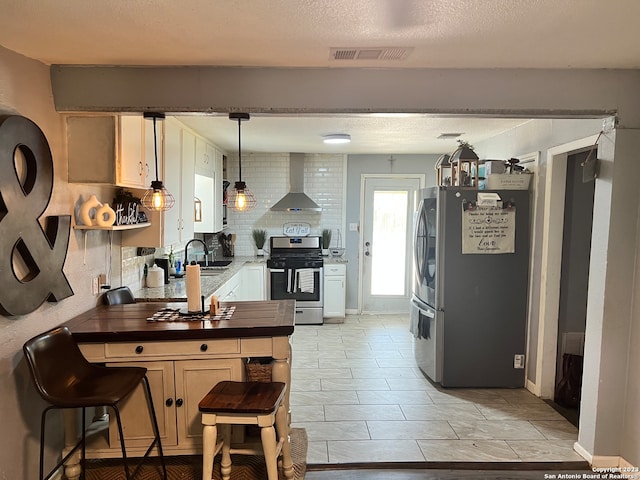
{"x":379,"y":53}
{"x":448,"y":136}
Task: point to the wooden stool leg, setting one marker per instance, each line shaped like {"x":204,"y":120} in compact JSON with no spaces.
{"x":209,"y":436}
{"x":283,"y":433}
{"x":268,"y":436}
{"x":225,"y":464}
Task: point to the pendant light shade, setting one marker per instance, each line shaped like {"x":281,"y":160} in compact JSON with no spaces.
{"x":157,"y":197}
{"x":240,"y":199}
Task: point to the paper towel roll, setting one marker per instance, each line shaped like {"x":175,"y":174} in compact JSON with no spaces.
{"x":193,"y":288}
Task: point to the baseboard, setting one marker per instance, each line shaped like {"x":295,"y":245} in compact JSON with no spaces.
{"x":605,"y":462}
{"x":580,"y":450}
{"x":351,"y":311}
{"x":533,"y":388}
{"x":630,"y":467}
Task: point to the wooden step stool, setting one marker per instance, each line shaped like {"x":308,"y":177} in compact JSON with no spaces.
{"x":245,"y":403}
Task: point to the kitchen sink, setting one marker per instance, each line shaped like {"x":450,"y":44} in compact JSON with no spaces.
{"x":215,"y":267}
{"x":212,"y":271}
{"x":215,"y":263}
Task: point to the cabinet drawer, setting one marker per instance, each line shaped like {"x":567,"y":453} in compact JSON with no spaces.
{"x":212,"y":348}
{"x":334,"y":270}
{"x":94,"y":352}
{"x":252,"y":347}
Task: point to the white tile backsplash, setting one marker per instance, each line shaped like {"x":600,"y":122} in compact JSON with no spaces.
{"x":267,"y":176}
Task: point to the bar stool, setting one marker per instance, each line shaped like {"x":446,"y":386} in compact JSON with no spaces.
{"x":65,"y":379}
{"x":245,"y":403}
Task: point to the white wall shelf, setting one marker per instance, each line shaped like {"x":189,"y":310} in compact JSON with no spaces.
{"x":112,"y":227}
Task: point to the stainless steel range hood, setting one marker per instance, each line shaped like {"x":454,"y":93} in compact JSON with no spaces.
{"x":296,"y":200}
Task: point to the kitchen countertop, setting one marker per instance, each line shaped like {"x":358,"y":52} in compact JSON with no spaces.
{"x":334,"y":260}
{"x":128,"y":323}
{"x":176,"y":290}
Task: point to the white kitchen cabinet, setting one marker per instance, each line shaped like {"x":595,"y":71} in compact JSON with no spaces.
{"x":230,"y":290}
{"x":208,"y":188}
{"x":334,"y":290}
{"x":253,"y":282}
{"x":134,"y":169}
{"x":204,"y":159}
{"x":176,"y":387}
{"x":204,"y":193}
{"x":249,"y":283}
{"x":178,"y":179}
{"x":176,"y":224}
{"x":218,"y":191}
{"x":110,"y":149}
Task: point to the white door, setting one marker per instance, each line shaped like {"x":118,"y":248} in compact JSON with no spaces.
{"x":388,"y":206}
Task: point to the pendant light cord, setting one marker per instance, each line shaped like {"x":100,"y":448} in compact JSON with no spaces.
{"x":155,"y":146}
{"x":239,"y":151}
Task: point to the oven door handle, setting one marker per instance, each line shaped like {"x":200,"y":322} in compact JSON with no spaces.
{"x":277,"y":270}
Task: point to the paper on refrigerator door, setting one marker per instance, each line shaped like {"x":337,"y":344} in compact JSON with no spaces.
{"x":488,"y":230}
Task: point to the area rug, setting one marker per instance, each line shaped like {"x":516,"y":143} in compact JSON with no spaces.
{"x":189,"y":467}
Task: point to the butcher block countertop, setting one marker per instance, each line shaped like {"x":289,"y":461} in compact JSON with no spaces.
{"x":127,"y":323}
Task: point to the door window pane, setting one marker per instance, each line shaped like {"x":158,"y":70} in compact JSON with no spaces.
{"x":389,"y":240}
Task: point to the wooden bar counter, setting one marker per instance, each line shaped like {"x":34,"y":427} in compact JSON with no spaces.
{"x":184,"y":359}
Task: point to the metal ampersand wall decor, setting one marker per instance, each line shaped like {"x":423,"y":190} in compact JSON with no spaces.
{"x":23,"y":200}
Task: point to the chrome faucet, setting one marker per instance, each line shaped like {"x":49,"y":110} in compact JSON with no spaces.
{"x":186,"y":251}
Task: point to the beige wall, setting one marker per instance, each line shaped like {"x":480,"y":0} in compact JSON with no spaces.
{"x":25,"y":90}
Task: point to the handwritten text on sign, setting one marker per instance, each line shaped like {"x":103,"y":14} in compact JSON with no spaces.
{"x":488,"y":230}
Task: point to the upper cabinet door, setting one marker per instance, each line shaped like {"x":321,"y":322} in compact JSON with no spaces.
{"x":172,"y":180}
{"x":187,"y":184}
{"x":133,"y":168}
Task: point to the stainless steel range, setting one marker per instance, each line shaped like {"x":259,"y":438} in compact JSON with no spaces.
{"x":295,"y":273}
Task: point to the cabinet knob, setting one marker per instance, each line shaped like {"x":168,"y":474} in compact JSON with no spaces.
{"x":179,"y":402}
{"x":204,"y":347}
{"x":139,"y":349}
{"x":169,"y":402}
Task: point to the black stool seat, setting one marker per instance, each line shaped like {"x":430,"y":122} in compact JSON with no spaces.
{"x":243,"y":397}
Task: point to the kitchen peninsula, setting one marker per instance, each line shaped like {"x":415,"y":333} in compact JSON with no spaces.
{"x":184,"y":359}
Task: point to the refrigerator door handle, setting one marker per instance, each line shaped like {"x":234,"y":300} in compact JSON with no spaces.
{"x":425,"y":309}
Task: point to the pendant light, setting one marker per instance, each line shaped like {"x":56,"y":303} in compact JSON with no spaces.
{"x":240,"y":199}
{"x":157,"y":197}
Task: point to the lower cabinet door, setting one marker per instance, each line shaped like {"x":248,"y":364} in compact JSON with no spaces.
{"x":136,"y":422}
{"x":194,"y":379}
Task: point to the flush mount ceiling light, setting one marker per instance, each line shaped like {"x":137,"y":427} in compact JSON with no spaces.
{"x":337,"y":138}
{"x":240,"y":199}
{"x":157,"y":197}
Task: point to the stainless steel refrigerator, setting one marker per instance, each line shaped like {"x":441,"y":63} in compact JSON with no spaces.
{"x":469,"y":302}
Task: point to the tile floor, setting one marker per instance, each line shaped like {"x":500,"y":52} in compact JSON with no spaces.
{"x":361,"y":398}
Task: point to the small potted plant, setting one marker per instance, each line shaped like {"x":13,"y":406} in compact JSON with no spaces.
{"x":259,"y":237}
{"x":326,"y":240}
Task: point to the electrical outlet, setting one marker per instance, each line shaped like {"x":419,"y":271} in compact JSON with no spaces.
{"x":95,"y":286}
{"x":353,"y":227}
{"x":518,"y":361}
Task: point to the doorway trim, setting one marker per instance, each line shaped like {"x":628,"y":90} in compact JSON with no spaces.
{"x":421,"y":177}
{"x":552,"y":236}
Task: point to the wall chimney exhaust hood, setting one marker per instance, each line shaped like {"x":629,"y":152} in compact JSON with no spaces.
{"x":296,"y":200}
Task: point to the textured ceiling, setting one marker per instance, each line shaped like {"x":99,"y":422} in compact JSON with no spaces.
{"x":301,"y":33}
{"x":297,"y":33}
